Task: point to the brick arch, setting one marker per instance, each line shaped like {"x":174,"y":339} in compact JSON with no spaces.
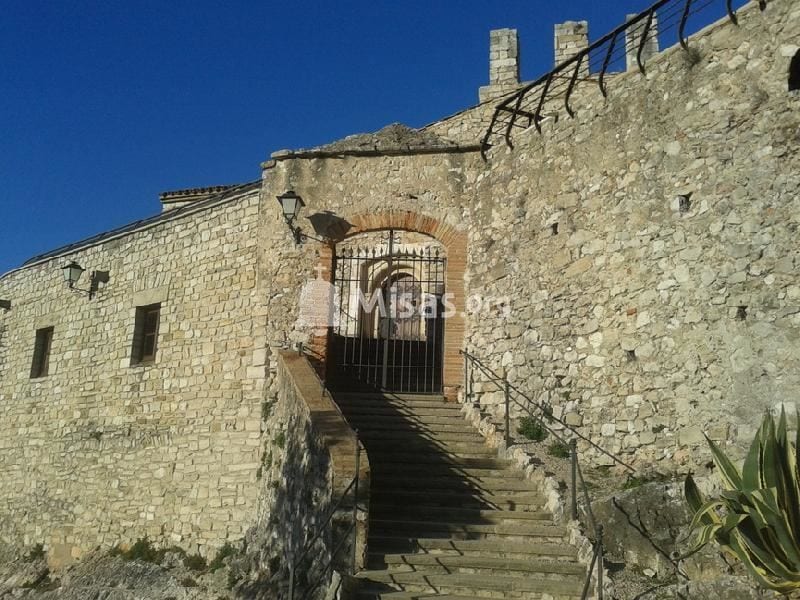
{"x":405,"y":220}
{"x":455,"y":243}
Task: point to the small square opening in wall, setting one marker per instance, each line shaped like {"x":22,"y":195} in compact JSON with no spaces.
{"x":145,"y":334}
{"x":40,"y":367}
{"x":794,"y":73}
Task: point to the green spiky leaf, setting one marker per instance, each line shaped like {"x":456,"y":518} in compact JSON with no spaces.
{"x":756,"y":517}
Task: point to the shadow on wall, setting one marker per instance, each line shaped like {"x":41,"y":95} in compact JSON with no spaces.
{"x":301,"y":485}
{"x":330,"y":226}
{"x":794,"y":73}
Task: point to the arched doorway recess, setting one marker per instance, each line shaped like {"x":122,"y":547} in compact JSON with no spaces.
{"x":389,"y":330}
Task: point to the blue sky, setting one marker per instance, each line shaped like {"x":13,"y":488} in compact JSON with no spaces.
{"x":105,"y":104}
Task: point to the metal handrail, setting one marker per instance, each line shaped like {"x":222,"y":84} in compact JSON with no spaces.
{"x":296,"y":562}
{"x":543,"y":420}
{"x":529,"y":101}
{"x":471,"y":363}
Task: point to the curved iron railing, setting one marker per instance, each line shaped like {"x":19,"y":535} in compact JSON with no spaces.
{"x":524,"y":108}
{"x":512,"y":395}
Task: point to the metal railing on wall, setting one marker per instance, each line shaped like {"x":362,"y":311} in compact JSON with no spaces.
{"x":664,"y":19}
{"x":513,"y":397}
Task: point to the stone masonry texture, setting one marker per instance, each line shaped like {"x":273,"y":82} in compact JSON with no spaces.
{"x":644,"y":322}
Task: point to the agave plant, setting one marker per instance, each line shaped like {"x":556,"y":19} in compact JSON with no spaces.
{"x":757,"y":516}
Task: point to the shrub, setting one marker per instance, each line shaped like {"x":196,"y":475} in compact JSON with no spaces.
{"x":143,"y":550}
{"x":266,"y":410}
{"x":195,"y":562}
{"x":532,"y":429}
{"x":223,"y":553}
{"x":559,"y":450}
{"x":757,"y":517}
{"x":633,"y":482}
{"x":43,"y":583}
{"x":233,"y":579}
{"x":35,"y":553}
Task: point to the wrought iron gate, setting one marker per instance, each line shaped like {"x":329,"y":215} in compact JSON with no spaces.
{"x":389,"y":331}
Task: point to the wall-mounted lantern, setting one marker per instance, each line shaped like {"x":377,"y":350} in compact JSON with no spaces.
{"x":291,"y":205}
{"x":72,"y":273}
{"x":5,"y":305}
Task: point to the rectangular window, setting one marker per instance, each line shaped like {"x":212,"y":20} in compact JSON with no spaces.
{"x":41,"y":352}
{"x":145,"y":334}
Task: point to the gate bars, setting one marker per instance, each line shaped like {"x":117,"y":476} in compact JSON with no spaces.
{"x":389,"y":331}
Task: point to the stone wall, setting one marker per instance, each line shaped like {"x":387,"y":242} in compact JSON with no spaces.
{"x":642,"y":323}
{"x":643,"y":320}
{"x":100,"y":452}
{"x":307,"y":466}
{"x":348,"y":196}
{"x":571,"y":38}
{"x":503,"y":64}
{"x":645,"y":323}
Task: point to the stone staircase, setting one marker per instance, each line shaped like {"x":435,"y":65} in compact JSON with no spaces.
{"x":448,"y":519}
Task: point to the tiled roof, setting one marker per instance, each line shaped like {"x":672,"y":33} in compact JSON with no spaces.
{"x":226,"y":193}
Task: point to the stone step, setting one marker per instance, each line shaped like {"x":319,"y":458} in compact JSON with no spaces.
{"x":377,"y":594}
{"x":424,"y":438}
{"x":388,"y":463}
{"x":402,"y":412}
{"x":390,"y":411}
{"x":408,"y":563}
{"x":426,"y":460}
{"x":435,"y":470}
{"x":511,"y":500}
{"x":518,"y":530}
{"x":459,"y":515}
{"x":473,"y":584}
{"x":442,"y":450}
{"x":374,"y":594}
{"x":392,"y":481}
{"x":449,"y":519}
{"x":378,"y":397}
{"x":411,"y":427}
{"x":489,"y":548}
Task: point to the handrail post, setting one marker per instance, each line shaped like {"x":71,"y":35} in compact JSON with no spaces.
{"x":355,"y":505}
{"x":573,"y":445}
{"x":600,"y":562}
{"x":291,"y":576}
{"x":466,"y":378}
{"x":508,"y":416}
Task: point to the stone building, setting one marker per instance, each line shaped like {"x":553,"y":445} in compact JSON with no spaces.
{"x":634,"y":268}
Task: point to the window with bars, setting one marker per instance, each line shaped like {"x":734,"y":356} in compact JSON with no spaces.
{"x":41,"y":353}
{"x":145,"y":334}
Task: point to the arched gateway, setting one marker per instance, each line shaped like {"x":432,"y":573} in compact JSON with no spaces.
{"x":399,"y":279}
{"x":389,"y":330}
